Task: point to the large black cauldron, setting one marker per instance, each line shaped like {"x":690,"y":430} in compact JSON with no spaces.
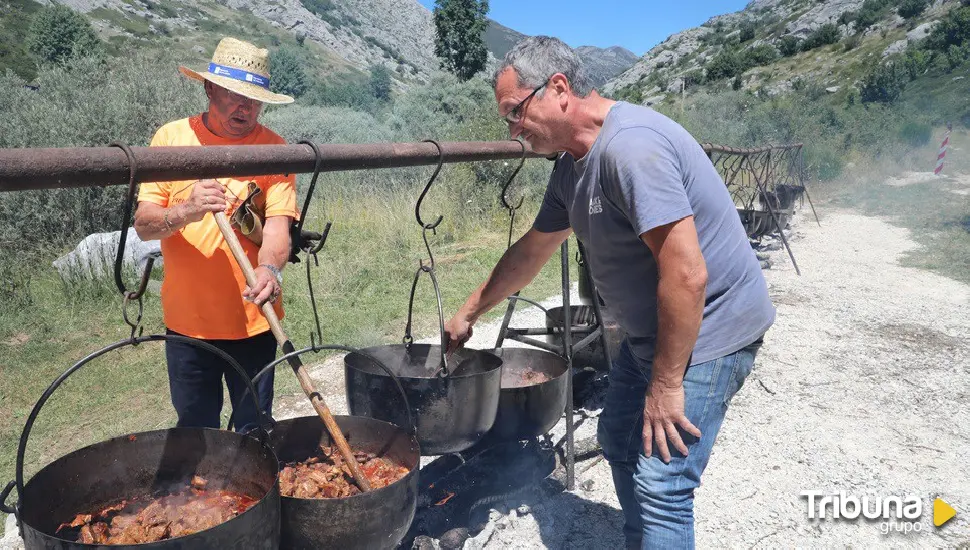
{"x":377,"y":519}
{"x":452,"y":412}
{"x":528,"y":408}
{"x":144,"y":464}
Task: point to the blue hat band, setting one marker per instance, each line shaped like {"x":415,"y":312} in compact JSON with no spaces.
{"x":239,"y":74}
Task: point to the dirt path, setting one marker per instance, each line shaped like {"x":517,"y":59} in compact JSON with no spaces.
{"x":862,"y":386}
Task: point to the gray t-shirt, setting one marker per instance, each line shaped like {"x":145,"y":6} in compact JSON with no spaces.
{"x":643,"y":171}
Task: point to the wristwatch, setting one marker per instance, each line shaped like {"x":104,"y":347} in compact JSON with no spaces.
{"x":275,"y":271}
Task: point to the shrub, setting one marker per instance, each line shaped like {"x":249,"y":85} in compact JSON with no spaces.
{"x":289,"y":77}
{"x":380,"y":82}
{"x":347,"y":90}
{"x":852,"y":42}
{"x":58,"y":33}
{"x":85,"y":102}
{"x":726,"y":64}
{"x":910,"y":9}
{"x":915,"y":134}
{"x":762,"y":54}
{"x":871,"y":12}
{"x":884,"y":84}
{"x":952,"y":30}
{"x":788,"y":45}
{"x":826,"y":34}
{"x":746,"y":32}
{"x":916,"y":62}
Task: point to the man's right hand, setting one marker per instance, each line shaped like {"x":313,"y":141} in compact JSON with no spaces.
{"x":459,"y":331}
{"x":207,"y":196}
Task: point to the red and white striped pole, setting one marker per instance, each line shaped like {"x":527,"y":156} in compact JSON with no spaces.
{"x":943,"y":146}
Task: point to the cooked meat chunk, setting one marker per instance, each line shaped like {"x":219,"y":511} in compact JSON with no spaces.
{"x":326,"y":475}
{"x":135,"y":521}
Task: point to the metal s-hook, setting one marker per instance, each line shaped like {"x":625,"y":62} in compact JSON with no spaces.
{"x":434,"y":176}
{"x":303,"y":241}
{"x":505,"y":188}
{"x":299,"y":239}
{"x":128,"y":295}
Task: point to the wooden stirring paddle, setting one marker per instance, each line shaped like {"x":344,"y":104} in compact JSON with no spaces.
{"x":301,"y":374}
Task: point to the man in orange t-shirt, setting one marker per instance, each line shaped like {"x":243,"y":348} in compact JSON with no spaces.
{"x":204,"y":292}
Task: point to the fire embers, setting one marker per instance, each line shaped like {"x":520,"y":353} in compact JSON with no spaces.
{"x":139,"y":520}
{"x":326,"y":475}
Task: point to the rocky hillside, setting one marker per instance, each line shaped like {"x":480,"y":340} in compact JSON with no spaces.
{"x":606,"y":63}
{"x":340,"y":34}
{"x":602,"y":63}
{"x":773,"y":45}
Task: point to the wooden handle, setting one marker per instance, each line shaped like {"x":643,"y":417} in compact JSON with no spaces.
{"x":301,"y":374}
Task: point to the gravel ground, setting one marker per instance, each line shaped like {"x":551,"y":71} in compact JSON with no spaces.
{"x":862,"y":387}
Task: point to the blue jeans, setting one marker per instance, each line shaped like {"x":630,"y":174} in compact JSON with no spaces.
{"x":195,"y":381}
{"x":657,"y":498}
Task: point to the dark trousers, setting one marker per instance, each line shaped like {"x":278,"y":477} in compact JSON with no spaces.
{"x":195,"y":380}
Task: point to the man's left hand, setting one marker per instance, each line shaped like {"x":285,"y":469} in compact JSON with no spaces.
{"x":663,"y":413}
{"x":267,"y":287}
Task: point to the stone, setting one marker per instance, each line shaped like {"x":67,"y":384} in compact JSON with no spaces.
{"x":896,"y":47}
{"x":453,"y":539}
{"x":423,"y":542}
{"x":198,"y":49}
{"x":921,"y":31}
{"x":832,"y":89}
{"x":94,"y":256}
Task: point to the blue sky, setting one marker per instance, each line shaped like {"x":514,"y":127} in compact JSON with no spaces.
{"x":637,"y":25}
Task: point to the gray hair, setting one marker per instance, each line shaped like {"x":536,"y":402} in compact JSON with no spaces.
{"x":536,"y":58}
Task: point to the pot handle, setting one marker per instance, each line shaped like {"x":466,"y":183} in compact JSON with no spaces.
{"x":25,"y":435}
{"x":3,"y":500}
{"x":413,"y":428}
{"x":408,"y":338}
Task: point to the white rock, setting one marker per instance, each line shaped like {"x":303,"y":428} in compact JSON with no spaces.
{"x":94,"y":256}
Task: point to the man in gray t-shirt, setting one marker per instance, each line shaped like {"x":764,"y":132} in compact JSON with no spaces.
{"x":671,"y":260}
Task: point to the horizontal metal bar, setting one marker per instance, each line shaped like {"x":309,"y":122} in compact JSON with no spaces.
{"x":537,"y":343}
{"x":24,"y":169}
{"x":712,"y":148}
{"x":549,"y":331}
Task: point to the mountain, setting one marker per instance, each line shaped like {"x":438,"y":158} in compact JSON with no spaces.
{"x":604,"y":64}
{"x":499,"y":39}
{"x":775,"y":45}
{"x":601,"y":63}
{"x":338,"y":35}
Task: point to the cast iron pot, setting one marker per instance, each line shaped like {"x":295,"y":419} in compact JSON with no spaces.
{"x":452,"y":411}
{"x":377,"y":519}
{"x":529,"y":410}
{"x":143,"y":464}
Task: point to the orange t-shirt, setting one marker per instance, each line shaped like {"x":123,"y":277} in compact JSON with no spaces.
{"x":203,"y":285}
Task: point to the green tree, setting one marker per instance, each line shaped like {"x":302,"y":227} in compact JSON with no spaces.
{"x":59,"y":33}
{"x":288,"y":76}
{"x":459,"y":43}
{"x":380,"y":82}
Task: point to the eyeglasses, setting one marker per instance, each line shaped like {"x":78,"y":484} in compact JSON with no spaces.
{"x":514,"y":116}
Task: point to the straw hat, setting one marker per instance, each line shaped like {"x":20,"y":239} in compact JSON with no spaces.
{"x":242,"y":68}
